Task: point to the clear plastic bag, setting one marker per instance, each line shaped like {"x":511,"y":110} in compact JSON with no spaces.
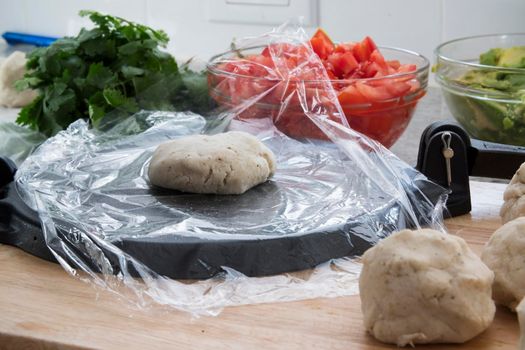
{"x":335,"y":194}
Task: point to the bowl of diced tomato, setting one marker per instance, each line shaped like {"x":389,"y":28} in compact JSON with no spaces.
{"x":378,"y":88}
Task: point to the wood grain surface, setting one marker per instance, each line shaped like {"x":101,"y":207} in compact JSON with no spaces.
{"x":41,"y":307}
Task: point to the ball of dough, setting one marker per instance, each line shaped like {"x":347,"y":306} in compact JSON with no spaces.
{"x":227,"y":163}
{"x":514,"y":200}
{"x":425,"y":286}
{"x":12,"y":69}
{"x":504,"y":254}
{"x":521,"y":318}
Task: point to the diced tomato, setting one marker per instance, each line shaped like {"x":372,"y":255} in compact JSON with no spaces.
{"x":377,"y":107}
{"x":376,"y":66}
{"x":321,"y":34}
{"x":291,"y":63}
{"x":328,"y":65}
{"x":397,"y":89}
{"x":266,"y":52}
{"x":364,"y":49}
{"x":375,"y":70}
{"x":342,"y":63}
{"x":350,"y":95}
{"x":263,"y":60}
{"x":357,"y":74}
{"x":373,"y":93}
{"x":307,"y":74}
{"x":281,"y":50}
{"x":322,"y":44}
{"x":260,"y":66}
{"x":331,"y":75}
{"x":320,"y":48}
{"x":394,"y":64}
{"x":376,"y":57}
{"x":369,"y":44}
{"x":360,"y":53}
{"x":299,"y":52}
{"x":344,"y":47}
{"x":406,"y":68}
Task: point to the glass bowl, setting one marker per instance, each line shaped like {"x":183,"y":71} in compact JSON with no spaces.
{"x":383,"y":118}
{"x":486,"y":113}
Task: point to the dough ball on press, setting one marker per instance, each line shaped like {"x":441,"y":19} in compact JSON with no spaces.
{"x":425,"y":286}
{"x":504,"y":254}
{"x":514,"y":199}
{"x":12,"y":69}
{"x":227,"y":163}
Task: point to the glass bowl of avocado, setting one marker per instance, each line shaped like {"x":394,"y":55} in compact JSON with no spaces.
{"x":483,"y":83}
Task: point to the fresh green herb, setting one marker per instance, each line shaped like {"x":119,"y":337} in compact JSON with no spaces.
{"x":106,"y":74}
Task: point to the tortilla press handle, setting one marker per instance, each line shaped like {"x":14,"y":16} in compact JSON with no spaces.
{"x":432,"y":163}
{"x":495,"y":160}
{"x":19,"y":224}
{"x":472,"y":157}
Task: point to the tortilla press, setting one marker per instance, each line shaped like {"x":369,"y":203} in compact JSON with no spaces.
{"x":448,"y":157}
{"x":186,"y":257}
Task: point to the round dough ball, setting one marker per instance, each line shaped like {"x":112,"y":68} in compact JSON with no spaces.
{"x":504,"y":254}
{"x":12,"y":69}
{"x":425,"y":286}
{"x":228,"y":163}
{"x":514,"y":200}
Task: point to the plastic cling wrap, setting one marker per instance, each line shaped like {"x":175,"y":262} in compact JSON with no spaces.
{"x":335,"y":194}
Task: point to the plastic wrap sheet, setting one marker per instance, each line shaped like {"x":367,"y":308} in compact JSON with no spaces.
{"x":100,"y":215}
{"x":17,"y":142}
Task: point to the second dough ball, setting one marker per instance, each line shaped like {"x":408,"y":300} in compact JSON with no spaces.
{"x":228,"y":163}
{"x":425,"y":286}
{"x":514,"y":198}
{"x":504,"y":254}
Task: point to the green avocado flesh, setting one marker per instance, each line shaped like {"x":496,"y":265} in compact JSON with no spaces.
{"x":502,"y":122}
{"x":513,"y":57}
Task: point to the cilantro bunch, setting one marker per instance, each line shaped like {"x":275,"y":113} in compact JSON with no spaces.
{"x":106,"y":74}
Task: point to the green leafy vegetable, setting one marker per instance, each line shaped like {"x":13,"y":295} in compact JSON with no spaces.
{"x":106,"y":74}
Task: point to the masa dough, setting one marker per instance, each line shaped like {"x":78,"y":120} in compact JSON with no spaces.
{"x":504,"y":254}
{"x":514,"y":200}
{"x":425,"y":286}
{"x":521,"y":318}
{"x":227,"y":163}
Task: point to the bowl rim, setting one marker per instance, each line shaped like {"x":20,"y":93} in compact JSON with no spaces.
{"x":211,"y":66}
{"x":440,"y":56}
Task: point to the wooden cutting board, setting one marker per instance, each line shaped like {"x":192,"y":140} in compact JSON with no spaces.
{"x":42,"y":307}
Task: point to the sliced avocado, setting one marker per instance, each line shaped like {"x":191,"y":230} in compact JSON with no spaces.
{"x":513,"y":57}
{"x":494,"y":111}
{"x":490,"y":80}
{"x":488,"y":117}
{"x":491,"y":57}
{"x":517,"y":82}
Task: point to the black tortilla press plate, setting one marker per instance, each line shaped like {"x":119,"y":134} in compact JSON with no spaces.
{"x":182,"y":257}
